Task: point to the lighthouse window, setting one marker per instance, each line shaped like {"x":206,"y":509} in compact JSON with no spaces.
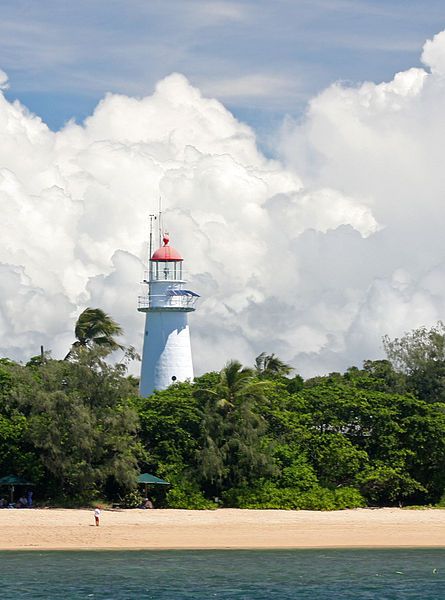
{"x":155,"y":274}
{"x":166,"y":271}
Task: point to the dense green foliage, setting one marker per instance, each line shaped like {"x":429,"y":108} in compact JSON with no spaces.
{"x":254,"y":438}
{"x":69,"y":426}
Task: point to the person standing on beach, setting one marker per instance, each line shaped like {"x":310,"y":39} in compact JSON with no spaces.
{"x":97,"y":515}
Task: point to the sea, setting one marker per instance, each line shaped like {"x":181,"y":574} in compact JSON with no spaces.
{"x":224,"y":574}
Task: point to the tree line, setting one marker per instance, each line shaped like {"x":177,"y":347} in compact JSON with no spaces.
{"x":252,"y":437}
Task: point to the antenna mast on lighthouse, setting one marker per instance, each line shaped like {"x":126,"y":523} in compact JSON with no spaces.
{"x":152,"y":218}
{"x":160,"y":221}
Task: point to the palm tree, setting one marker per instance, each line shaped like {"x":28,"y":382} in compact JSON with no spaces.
{"x":236,"y":384}
{"x":94,"y":328}
{"x":233,"y":449}
{"x":269,"y":366}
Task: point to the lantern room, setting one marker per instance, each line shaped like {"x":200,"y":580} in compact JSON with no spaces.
{"x":166,"y":263}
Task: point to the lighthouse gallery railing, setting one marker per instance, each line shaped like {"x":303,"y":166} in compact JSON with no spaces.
{"x":167,"y":301}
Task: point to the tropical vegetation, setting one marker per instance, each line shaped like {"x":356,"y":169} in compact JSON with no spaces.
{"x":253,"y":437}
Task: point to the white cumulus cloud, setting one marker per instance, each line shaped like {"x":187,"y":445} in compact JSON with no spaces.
{"x":4,"y":85}
{"x":313,"y":257}
{"x":381,"y":143}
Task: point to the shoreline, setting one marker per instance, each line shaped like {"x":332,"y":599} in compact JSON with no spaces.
{"x":212,"y":549}
{"x":221,"y":529}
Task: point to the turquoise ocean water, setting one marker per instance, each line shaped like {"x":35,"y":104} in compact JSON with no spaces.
{"x":230,"y":574}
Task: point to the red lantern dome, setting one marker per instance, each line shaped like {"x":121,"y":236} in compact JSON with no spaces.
{"x":166,"y":253}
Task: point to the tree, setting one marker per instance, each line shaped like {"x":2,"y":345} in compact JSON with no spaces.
{"x":236,"y":384}
{"x":336,"y":459}
{"x":69,"y":426}
{"x":170,"y":429}
{"x":17,"y":454}
{"x":377,"y":375}
{"x":420,"y":355}
{"x":77,"y":429}
{"x":269,"y":366}
{"x":234,"y":450}
{"x":383,"y":484}
{"x":382,"y":434}
{"x":95,"y":328}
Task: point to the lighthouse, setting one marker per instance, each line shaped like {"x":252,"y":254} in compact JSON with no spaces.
{"x":167,"y":354}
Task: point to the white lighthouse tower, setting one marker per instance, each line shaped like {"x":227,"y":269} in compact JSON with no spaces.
{"x":167,"y":355}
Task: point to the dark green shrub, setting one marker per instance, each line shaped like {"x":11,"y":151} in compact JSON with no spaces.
{"x":188,"y":497}
{"x":268,"y":496}
{"x":348,"y":497}
{"x":132,"y":499}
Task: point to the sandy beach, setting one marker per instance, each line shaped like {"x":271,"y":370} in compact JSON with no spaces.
{"x":224,"y":528}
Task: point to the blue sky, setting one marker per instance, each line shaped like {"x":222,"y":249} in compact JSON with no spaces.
{"x":262,"y":59}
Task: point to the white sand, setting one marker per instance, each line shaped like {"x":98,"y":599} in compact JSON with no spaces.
{"x":223,"y":528}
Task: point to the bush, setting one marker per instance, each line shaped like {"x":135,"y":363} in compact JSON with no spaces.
{"x":268,"y":496}
{"x":387,"y":485}
{"x":132,"y":499}
{"x":188,"y":497}
{"x":348,"y":497}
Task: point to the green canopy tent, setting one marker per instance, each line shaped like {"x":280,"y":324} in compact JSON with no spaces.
{"x":11,"y":481}
{"x":148,"y":479}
